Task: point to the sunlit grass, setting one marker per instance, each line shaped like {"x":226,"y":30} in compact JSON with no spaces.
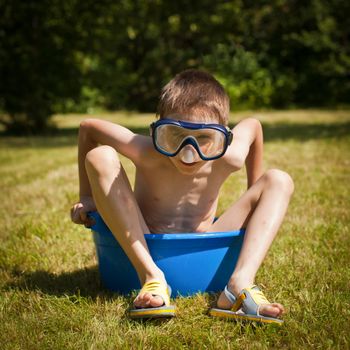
{"x":51,"y":296}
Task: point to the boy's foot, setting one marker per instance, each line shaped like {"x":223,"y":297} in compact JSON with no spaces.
{"x":270,"y":310}
{"x":153,"y":301}
{"x":251,"y":304}
{"x":147,"y":298}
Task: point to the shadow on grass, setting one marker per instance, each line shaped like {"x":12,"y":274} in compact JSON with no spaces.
{"x":68,"y":137}
{"x":84,"y":282}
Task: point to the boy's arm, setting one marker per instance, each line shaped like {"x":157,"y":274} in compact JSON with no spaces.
{"x":247,"y":148}
{"x":93,"y":132}
{"x":254,"y":160}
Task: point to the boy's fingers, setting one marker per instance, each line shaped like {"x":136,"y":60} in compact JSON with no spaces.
{"x":79,"y":215}
{"x":83,"y":215}
{"x":75,"y":213}
{"x":89,"y":222}
{"x":76,"y":218}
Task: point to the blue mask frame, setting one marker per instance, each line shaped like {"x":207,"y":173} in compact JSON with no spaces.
{"x":191,"y":140}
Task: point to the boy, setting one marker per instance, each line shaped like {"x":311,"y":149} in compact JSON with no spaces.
{"x":179,"y":172}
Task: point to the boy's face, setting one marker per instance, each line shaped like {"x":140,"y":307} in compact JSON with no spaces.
{"x":189,"y":145}
{"x":187,"y":160}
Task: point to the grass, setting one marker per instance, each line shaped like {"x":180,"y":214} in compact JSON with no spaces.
{"x":51,"y":297}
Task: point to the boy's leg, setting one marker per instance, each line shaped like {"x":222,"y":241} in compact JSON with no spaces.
{"x":260,"y":210}
{"x":117,"y":205}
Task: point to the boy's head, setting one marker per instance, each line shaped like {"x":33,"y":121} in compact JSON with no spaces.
{"x":194,"y":96}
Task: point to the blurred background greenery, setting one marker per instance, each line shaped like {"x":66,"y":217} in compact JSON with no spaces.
{"x":82,"y":55}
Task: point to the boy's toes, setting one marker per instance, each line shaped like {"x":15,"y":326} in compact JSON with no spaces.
{"x":271,"y":310}
{"x":156,"y":301}
{"x":141,"y":301}
{"x":148,"y":300}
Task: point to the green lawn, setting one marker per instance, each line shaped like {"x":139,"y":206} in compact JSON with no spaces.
{"x":51,"y":297}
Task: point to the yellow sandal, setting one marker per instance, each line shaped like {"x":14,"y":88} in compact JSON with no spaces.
{"x":246,"y":306}
{"x":156,"y":288}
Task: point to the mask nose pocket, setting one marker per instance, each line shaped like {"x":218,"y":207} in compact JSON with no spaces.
{"x":188,"y":154}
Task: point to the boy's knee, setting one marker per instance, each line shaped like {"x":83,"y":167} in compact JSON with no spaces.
{"x":102,"y":159}
{"x":280,"y":179}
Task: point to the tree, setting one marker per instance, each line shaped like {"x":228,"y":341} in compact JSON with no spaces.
{"x":64,"y":55}
{"x":39,"y":65}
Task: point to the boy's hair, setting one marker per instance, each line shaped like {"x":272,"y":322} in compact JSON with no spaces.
{"x":194,"y":94}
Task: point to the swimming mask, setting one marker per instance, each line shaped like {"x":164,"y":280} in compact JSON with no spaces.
{"x":209,"y":140}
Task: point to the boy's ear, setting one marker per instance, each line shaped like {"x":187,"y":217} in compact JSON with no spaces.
{"x":151,"y":128}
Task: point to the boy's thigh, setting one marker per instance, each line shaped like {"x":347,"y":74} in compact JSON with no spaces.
{"x":238,"y":214}
{"x":128,"y":192}
{"x":107,"y":157}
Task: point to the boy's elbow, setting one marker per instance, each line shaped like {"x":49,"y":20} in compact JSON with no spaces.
{"x":86,"y":124}
{"x":254,"y":122}
{"x":238,"y":157}
{"x":256,"y":125}
{"x":239,"y":160}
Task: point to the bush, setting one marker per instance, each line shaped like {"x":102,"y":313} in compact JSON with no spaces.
{"x":247,"y":83}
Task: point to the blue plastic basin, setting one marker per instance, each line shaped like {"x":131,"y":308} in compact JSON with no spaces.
{"x":191,"y":262}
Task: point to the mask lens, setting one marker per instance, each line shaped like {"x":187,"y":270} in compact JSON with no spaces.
{"x":169,"y":138}
{"x":211,"y":142}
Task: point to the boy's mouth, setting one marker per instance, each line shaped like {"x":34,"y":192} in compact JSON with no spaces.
{"x":188,"y":164}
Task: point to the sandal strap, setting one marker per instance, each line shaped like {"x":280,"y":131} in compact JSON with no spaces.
{"x":252,"y":298}
{"x":236,"y":302}
{"x":229,"y":295}
{"x":157,"y":288}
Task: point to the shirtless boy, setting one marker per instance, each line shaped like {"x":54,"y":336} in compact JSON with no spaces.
{"x":179,"y":173}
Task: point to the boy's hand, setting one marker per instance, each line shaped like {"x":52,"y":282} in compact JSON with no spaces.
{"x":79,"y":211}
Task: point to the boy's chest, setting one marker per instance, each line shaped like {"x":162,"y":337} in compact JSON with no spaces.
{"x":171,"y":205}
{"x":170,"y":202}
{"x":163,"y":186}
{"x":181,"y":192}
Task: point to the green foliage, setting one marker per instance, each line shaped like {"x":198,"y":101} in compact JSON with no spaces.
{"x":247,"y":83}
{"x":37,"y":63}
{"x":61,"y":56}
